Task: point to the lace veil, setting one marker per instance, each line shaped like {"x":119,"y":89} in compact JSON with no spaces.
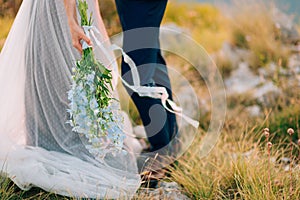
{"x":35,"y":75}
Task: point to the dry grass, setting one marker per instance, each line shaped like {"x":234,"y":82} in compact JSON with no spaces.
{"x":5,"y":24}
{"x":205,"y":22}
{"x":253,"y":28}
{"x":238,"y":167}
{"x":9,"y":191}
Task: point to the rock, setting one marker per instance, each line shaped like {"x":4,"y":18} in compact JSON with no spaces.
{"x":231,"y":54}
{"x":265,"y":89}
{"x":227,"y":53}
{"x":249,"y":154}
{"x":286,"y":165}
{"x":165,"y":190}
{"x":295,"y":48}
{"x":286,"y":25}
{"x":139,"y":132}
{"x":254,"y":111}
{"x":187,"y":99}
{"x":285,"y":161}
{"x":243,"y":80}
{"x":286,"y":168}
{"x":272,"y":70}
{"x":132,"y":144}
{"x":170,"y":185}
{"x":294,"y":64}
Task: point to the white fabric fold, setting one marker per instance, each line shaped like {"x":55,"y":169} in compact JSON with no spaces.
{"x":37,"y":147}
{"x":143,"y":91}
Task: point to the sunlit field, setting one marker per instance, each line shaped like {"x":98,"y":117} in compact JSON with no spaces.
{"x":249,"y":161}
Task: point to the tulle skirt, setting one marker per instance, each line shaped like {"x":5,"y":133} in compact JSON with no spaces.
{"x":37,"y":146}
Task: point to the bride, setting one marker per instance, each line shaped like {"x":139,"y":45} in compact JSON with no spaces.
{"x":37,"y":146}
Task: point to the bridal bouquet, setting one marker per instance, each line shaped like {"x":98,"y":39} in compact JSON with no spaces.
{"x":93,"y":112}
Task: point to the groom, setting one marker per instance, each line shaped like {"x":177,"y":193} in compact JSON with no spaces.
{"x":140,"y":21}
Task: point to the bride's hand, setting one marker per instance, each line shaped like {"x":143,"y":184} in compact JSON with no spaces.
{"x":77,"y":32}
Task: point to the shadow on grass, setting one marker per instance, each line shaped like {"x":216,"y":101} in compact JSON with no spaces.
{"x":8,"y":190}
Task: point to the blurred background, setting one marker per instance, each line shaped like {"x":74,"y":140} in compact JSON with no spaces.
{"x":256,"y":46}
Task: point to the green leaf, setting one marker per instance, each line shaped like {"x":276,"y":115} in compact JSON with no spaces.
{"x":88,"y":64}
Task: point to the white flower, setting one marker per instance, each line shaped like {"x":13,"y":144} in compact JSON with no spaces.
{"x":103,"y":133}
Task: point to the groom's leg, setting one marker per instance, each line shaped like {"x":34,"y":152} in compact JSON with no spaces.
{"x":137,"y":14}
{"x":161,"y":78}
{"x":154,"y":118}
{"x":140,"y":21}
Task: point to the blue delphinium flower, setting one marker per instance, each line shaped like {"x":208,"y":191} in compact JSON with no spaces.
{"x":93,"y":113}
{"x":100,"y":126}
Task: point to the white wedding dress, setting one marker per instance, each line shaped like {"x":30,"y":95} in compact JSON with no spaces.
{"x":37,"y":146}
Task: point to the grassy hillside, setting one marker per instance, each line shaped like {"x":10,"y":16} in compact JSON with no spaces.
{"x":205,"y":22}
{"x":289,"y":6}
{"x":243,"y":165}
{"x":5,"y":25}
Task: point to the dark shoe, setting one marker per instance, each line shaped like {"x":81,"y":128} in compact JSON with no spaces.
{"x":150,"y":179}
{"x":151,"y":184}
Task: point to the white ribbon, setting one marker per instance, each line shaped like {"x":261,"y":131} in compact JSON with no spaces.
{"x":143,"y":91}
